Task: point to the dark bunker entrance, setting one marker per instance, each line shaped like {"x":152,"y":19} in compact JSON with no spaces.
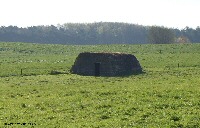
{"x":97,"y":68}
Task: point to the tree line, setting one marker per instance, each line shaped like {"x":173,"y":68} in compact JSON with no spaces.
{"x":98,"y":33}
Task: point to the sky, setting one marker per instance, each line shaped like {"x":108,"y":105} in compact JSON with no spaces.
{"x":167,"y":13}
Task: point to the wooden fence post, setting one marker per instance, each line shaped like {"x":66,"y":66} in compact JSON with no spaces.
{"x":21,"y":72}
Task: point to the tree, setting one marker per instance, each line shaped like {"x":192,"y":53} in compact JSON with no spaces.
{"x":98,"y":33}
{"x":182,"y":40}
{"x":160,"y":35}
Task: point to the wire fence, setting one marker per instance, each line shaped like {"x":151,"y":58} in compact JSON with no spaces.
{"x":33,"y":71}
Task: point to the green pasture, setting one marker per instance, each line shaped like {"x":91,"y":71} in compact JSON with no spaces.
{"x":166,"y":95}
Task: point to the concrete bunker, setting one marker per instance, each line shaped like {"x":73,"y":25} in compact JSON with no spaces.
{"x":106,"y":64}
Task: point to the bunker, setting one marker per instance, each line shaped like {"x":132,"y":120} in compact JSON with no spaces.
{"x":106,"y":64}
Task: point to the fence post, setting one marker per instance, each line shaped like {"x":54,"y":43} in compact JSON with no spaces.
{"x":21,"y":72}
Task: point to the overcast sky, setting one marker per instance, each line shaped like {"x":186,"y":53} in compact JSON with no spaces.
{"x":168,"y":13}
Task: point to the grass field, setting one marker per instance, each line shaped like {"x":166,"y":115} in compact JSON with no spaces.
{"x":166,"y":95}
